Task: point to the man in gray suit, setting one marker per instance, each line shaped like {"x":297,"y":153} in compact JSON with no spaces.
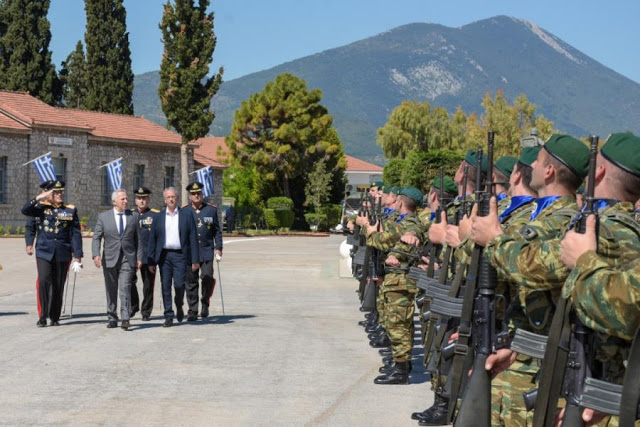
{"x":122,"y":254}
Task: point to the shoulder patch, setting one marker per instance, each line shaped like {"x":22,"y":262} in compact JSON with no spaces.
{"x":528,"y":233}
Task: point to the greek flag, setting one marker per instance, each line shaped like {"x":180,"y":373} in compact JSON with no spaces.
{"x":205,"y":176}
{"x":114,"y":171}
{"x":44,"y":168}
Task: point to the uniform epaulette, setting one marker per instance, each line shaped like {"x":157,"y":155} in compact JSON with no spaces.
{"x":154,"y":210}
{"x":70,"y":206}
{"x":45,"y":204}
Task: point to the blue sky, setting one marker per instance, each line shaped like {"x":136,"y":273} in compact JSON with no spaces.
{"x":254,"y":35}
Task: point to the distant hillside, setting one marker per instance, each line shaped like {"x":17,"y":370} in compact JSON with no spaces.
{"x":363,"y":81}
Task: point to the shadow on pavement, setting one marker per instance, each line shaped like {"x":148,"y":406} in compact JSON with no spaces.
{"x":13,"y":313}
{"x":221,"y":320}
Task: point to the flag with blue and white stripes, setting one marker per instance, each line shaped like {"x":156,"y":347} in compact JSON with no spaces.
{"x":114,"y":172}
{"x":44,"y":168}
{"x":205,"y":177}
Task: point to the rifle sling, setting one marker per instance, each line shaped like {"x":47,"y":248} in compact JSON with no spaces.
{"x":631,"y":385}
{"x":555,"y":357}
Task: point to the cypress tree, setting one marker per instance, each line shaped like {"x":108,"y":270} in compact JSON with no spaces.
{"x":73,"y":76}
{"x":185,"y":90}
{"x":108,"y":58}
{"x":25,"y":59}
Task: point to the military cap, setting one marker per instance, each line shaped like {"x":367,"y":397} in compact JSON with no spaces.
{"x":57,"y":186}
{"x":413,"y":193}
{"x":580,"y":189}
{"x":394,"y":189}
{"x":47,"y":185}
{"x":570,"y":152}
{"x":472,"y":159}
{"x":195,"y":187}
{"x":505,"y":165}
{"x":142,"y":192}
{"x":529,"y":155}
{"x":378,"y":184}
{"x":386,"y":189}
{"x":623,"y":150}
{"x":449,"y":186}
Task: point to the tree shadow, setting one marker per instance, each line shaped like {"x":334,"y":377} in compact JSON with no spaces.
{"x":13,"y":313}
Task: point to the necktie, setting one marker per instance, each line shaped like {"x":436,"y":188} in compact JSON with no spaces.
{"x":121,"y":225}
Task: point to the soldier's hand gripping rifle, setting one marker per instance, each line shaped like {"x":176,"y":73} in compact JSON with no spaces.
{"x":376,"y":270}
{"x":565,"y":369}
{"x":476,"y":404}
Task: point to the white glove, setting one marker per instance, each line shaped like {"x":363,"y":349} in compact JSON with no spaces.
{"x":218,"y":257}
{"x":76,"y":267}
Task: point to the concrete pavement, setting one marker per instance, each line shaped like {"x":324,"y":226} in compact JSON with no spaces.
{"x":288,"y":351}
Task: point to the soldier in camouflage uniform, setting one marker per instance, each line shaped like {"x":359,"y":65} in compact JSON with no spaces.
{"x":399,"y":291}
{"x":529,"y":258}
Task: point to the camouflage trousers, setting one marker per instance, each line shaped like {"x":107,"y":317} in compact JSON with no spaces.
{"x":400,"y":310}
{"x":507,"y":403}
{"x":380,"y":307}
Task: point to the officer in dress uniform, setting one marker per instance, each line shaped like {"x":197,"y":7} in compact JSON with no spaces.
{"x":58,"y":239}
{"x":209,"y":238}
{"x":145,"y":219}
{"x":31,"y":229}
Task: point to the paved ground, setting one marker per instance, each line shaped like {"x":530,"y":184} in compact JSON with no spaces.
{"x":288,"y":351}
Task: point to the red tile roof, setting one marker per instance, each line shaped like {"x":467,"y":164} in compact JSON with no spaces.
{"x":357,"y":165}
{"x":118,"y":126}
{"x":211,"y":152}
{"x":31,"y":112}
{"x":7,"y":122}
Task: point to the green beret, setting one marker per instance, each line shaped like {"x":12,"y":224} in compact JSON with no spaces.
{"x":394,"y":189}
{"x":449,"y":186}
{"x":386,"y":189}
{"x":505,"y":165}
{"x":472,"y":159}
{"x":529,"y":155}
{"x":570,"y":152}
{"x":580,"y":189}
{"x":623,"y":150}
{"x":378,"y":184}
{"x":413,"y":193}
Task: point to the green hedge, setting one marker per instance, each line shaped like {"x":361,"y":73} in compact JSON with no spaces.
{"x":317,"y":219}
{"x":278,"y":218}
{"x":280,"y":203}
{"x":333,"y":214}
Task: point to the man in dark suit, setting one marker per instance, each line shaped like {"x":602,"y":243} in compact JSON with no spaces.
{"x":209,"y":237}
{"x":173,"y":244}
{"x":58,"y":239}
{"x":121,"y":255}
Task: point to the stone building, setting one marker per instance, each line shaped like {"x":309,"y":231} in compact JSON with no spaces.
{"x":80,"y":142}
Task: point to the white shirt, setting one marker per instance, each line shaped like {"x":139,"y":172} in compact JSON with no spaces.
{"x":117,"y":216}
{"x":172,"y":229}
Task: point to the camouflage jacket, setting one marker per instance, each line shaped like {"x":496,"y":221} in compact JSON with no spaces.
{"x":529,"y":258}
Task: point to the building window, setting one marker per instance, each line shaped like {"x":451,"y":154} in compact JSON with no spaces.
{"x":105,"y":194}
{"x":169,"y":172}
{"x":3,"y":180}
{"x":138,"y":176}
{"x":60,"y":166}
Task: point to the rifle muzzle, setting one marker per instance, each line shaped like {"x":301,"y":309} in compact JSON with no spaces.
{"x":530,"y":399}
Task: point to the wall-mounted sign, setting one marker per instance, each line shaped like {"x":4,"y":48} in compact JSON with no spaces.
{"x":58,"y":140}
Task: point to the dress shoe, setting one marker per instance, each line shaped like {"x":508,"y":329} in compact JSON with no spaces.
{"x":125,"y":325}
{"x":192,"y":317}
{"x":112,"y":324}
{"x":167,"y":323}
{"x":204,"y":312}
{"x":399,"y":375}
{"x":133,"y":313}
{"x":146,"y":318}
{"x":436,"y":415}
{"x":179,"y":314}
{"x":55,"y":323}
{"x":41,"y":323}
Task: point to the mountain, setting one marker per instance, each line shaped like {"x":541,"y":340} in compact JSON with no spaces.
{"x":362,"y":82}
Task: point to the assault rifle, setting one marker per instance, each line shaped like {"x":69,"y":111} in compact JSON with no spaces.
{"x":476,"y":404}
{"x":375,"y":268}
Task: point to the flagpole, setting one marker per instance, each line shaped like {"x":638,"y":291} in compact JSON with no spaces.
{"x":206,"y":167}
{"x":107,"y":164}
{"x":31,"y":161}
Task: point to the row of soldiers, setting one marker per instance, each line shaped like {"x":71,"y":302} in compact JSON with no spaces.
{"x":514,"y":281}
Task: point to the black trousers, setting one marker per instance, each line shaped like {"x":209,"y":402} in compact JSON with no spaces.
{"x":205,"y":273}
{"x":148,"y":284}
{"x":51,"y":277}
{"x":172,"y":267}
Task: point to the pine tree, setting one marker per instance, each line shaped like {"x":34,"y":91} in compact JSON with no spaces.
{"x":185,"y":91}
{"x":73,"y":76}
{"x":25,"y":59}
{"x":108,"y":58}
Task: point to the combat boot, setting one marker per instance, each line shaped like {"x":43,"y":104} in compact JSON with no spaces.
{"x":387,"y":368}
{"x":387,"y":360}
{"x":437,"y":414}
{"x":385,"y":351}
{"x":382,"y":341}
{"x":399,"y":374}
